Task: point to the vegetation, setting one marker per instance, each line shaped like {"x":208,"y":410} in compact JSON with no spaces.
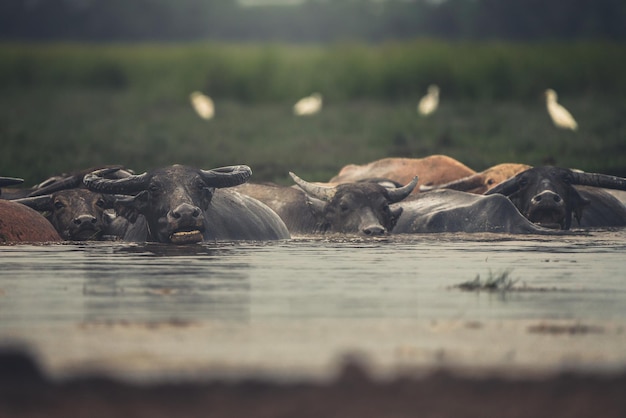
{"x":498,"y":282}
{"x":73,"y":106}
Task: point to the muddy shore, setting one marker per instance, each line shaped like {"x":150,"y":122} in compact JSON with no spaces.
{"x":26,"y":391}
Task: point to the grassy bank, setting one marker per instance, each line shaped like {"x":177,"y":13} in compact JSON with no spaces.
{"x":66,"y":107}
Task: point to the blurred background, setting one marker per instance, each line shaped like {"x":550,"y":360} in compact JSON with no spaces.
{"x":92,"y":82}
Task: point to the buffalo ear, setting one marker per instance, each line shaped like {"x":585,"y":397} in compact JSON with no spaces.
{"x":316,"y":205}
{"x":110,"y":200}
{"x":578,"y":204}
{"x":395,"y":215}
{"x":130,"y":207}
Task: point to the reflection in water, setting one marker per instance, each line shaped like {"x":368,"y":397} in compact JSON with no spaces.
{"x":161,"y":281}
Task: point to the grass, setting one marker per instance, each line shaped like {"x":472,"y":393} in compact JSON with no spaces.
{"x":65,"y":107}
{"x":498,"y":282}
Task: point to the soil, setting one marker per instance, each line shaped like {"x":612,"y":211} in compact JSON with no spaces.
{"x":25,"y":391}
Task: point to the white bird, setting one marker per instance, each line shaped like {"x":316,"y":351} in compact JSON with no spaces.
{"x":202,"y":104}
{"x":308,"y":105}
{"x":428,"y":104}
{"x":560,"y":116}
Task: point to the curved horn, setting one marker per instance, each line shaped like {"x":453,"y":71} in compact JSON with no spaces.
{"x":10,"y":181}
{"x":39,"y":203}
{"x":228,"y":176}
{"x":134,"y":183}
{"x":599,"y":180}
{"x":507,"y":187}
{"x":67,"y":183}
{"x":399,"y":193}
{"x":324,"y":193}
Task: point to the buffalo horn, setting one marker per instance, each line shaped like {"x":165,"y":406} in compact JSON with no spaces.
{"x":598,"y":180}
{"x":128,"y":185}
{"x":10,"y":181}
{"x":66,"y":183}
{"x":399,"y":193}
{"x":324,"y":193}
{"x":39,"y":203}
{"x":229,"y":176}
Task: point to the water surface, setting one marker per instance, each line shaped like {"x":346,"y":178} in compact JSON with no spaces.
{"x":283,"y":297}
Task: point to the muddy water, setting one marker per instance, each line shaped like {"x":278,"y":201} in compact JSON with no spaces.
{"x":294,"y":308}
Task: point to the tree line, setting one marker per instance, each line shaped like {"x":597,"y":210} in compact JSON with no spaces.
{"x":312,"y":20}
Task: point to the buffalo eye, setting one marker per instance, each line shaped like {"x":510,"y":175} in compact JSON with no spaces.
{"x":199,"y":184}
{"x":567,"y":179}
{"x":490,"y":182}
{"x":58,"y":205}
{"x":523,"y":182}
{"x":100,"y":203}
{"x":343,"y":207}
{"x":154,"y":189}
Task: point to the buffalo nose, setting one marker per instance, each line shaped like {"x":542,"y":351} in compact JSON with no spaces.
{"x":374,"y":230}
{"x":84,"y":219}
{"x":185,"y":210}
{"x":546,"y":196}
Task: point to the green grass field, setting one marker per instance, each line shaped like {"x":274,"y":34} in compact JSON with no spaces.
{"x":65,"y":107}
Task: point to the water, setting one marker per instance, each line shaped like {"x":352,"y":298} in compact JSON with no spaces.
{"x":295,"y":306}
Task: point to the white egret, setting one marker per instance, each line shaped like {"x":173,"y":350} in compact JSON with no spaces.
{"x":428,"y":104}
{"x":203,"y":105}
{"x":560,"y":116}
{"x":308,"y":105}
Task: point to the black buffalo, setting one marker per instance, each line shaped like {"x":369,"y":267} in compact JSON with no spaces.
{"x":549,"y":196}
{"x":444,"y":210}
{"x":180,"y":204}
{"x":77,"y":214}
{"x":350,"y":208}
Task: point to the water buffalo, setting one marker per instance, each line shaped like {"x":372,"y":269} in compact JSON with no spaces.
{"x":446,"y":210}
{"x":479,"y":183}
{"x":434,"y":169}
{"x":180,"y":204}
{"x":548,"y":196}
{"x":19,"y":223}
{"x":77,"y":214}
{"x":350,"y":208}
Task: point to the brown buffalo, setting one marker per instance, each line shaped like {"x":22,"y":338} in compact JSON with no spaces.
{"x":19,"y":223}
{"x":479,"y":183}
{"x":431,"y":170}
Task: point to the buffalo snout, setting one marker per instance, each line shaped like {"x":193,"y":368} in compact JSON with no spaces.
{"x":84,"y":220}
{"x":547,"y":209}
{"x":547,"y":197}
{"x":185,"y":211}
{"x":374,"y":230}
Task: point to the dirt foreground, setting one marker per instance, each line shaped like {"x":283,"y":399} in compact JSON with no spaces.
{"x":26,"y":391}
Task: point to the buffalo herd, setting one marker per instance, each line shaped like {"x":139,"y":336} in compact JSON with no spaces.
{"x":180,"y":204}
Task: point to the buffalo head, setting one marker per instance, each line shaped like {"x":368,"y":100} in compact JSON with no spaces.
{"x":355,"y":207}
{"x":76,"y":214}
{"x":547,"y":196}
{"x":173,"y":200}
